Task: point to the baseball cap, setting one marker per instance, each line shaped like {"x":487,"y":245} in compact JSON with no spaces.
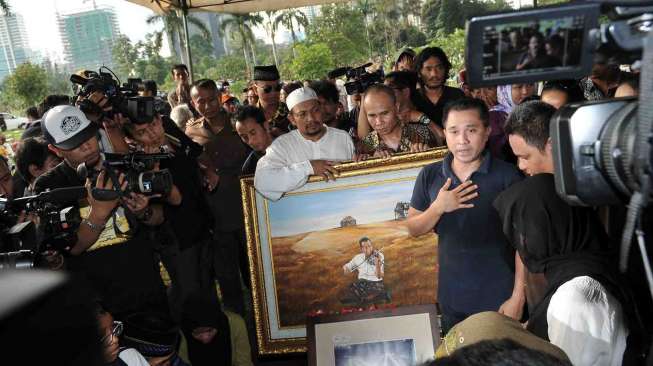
{"x":66,"y":127}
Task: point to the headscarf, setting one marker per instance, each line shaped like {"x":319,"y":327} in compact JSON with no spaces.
{"x":556,"y":239}
{"x":203,"y":310}
{"x":504,"y":97}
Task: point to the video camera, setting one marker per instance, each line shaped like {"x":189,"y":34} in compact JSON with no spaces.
{"x":122,"y":99}
{"x":359,"y":78}
{"x":601,"y":150}
{"x":138,"y":169}
{"x":21,"y":244}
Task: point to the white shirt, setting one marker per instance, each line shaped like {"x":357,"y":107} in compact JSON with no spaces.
{"x":286,"y":164}
{"x":132,"y":357}
{"x":366,"y":268}
{"x":587,"y":323}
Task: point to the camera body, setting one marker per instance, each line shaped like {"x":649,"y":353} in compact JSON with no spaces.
{"x":138,"y":168}
{"x":360,"y":79}
{"x":122,"y":99}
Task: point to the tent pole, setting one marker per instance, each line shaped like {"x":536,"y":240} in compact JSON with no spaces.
{"x":184,"y":14}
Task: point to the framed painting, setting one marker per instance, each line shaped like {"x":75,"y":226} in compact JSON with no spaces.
{"x":307,"y":250}
{"x":404,"y":336}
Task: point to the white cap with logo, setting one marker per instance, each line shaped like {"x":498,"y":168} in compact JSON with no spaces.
{"x":66,"y":127}
{"x":300,"y":95}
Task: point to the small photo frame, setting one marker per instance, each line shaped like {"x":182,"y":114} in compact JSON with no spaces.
{"x":403,"y":336}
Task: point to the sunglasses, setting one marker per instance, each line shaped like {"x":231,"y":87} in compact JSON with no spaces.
{"x":116,"y":331}
{"x":269,"y":88}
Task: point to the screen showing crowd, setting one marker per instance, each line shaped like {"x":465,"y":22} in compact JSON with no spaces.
{"x":532,"y":46}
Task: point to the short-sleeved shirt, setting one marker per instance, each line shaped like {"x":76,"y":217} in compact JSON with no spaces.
{"x":476,"y":262}
{"x":411,"y":133}
{"x":435,"y":111}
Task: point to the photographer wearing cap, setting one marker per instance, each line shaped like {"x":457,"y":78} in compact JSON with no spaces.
{"x":113,"y":250}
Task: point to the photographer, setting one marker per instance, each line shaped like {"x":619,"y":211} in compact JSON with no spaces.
{"x":33,"y":159}
{"x":113,"y":250}
{"x":187,"y":258}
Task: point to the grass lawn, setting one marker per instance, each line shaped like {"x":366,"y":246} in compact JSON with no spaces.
{"x":13,"y":135}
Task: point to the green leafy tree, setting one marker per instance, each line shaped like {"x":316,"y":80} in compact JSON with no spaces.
{"x":453,"y":45}
{"x":25,"y":87}
{"x":430,"y":12}
{"x":312,"y":62}
{"x":228,"y":67}
{"x":174,"y":28}
{"x":412,"y":36}
{"x":124,"y":55}
{"x":293,"y":20}
{"x":271,"y":30}
{"x":340,"y":27}
{"x":240,"y":27}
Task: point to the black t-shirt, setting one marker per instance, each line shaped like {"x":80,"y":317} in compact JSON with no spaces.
{"x":435,"y":111}
{"x":121,"y":269}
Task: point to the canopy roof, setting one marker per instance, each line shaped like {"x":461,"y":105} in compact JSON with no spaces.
{"x":227,"y":6}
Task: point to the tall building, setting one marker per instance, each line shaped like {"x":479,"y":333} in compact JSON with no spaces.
{"x":13,"y":44}
{"x":88,"y":37}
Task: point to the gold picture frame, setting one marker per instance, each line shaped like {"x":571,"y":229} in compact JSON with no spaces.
{"x":297,"y":247}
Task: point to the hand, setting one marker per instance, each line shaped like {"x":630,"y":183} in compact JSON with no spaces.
{"x":99,"y":99}
{"x":211,"y":179}
{"x":451,"y":200}
{"x":418,"y":147}
{"x":324,"y":168}
{"x":360,"y":157}
{"x":382,"y":153}
{"x":104,"y":208}
{"x":137,"y":202}
{"x":513,"y":307}
{"x":415,"y":116}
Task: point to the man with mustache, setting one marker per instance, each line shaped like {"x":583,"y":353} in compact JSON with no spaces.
{"x":432,"y":66}
{"x":311,"y":149}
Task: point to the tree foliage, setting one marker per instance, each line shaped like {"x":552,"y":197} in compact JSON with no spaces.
{"x":25,"y":87}
{"x":312,"y":62}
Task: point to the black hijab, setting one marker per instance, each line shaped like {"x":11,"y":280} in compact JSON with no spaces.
{"x":203,"y":310}
{"x":556,"y":239}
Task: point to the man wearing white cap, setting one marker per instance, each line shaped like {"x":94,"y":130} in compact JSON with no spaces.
{"x":311,"y":149}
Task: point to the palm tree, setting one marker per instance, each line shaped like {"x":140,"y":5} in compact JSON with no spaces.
{"x":174,"y":28}
{"x":288,"y":19}
{"x":271,"y":30}
{"x":241,"y":25}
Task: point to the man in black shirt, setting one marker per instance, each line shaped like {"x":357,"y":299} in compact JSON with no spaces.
{"x":432,"y":67}
{"x":113,"y":251}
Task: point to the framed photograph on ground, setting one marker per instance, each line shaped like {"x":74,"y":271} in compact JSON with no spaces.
{"x":306,"y":250}
{"x":404,"y":336}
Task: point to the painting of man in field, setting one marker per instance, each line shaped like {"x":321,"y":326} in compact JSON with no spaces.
{"x":313,"y":234}
{"x":368,"y":288}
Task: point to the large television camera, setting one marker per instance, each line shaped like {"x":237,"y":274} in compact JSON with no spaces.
{"x":21,"y":243}
{"x":601,"y":150}
{"x":140,"y":175}
{"x":122,"y":99}
{"x":359,"y":79}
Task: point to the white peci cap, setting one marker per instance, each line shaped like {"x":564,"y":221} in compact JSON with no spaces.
{"x":300,"y":95}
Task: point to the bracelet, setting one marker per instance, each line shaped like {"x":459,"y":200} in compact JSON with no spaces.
{"x":93,"y":226}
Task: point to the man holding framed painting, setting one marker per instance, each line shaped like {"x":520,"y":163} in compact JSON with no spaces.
{"x":311,"y":149}
{"x":454,"y":198}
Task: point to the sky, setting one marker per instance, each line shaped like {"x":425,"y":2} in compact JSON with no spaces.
{"x":41,"y":22}
{"x":323,"y":210}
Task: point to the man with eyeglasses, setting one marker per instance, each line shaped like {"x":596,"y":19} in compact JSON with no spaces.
{"x":312,"y":149}
{"x":268,"y":88}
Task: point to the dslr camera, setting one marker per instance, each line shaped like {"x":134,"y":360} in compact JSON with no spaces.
{"x":358,"y":78}
{"x":138,"y":169}
{"x":122,"y":99}
{"x":601,"y":150}
{"x":22,"y":244}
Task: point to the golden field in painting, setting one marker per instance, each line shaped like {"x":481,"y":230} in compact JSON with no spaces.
{"x":309,"y":275}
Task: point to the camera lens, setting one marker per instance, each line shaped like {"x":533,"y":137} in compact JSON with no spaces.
{"x":153,"y":182}
{"x":617,"y":147}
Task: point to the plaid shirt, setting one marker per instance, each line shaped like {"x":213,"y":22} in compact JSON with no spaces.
{"x":411,"y":133}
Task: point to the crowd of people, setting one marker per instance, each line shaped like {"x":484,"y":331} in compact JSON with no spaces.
{"x":530,"y":256}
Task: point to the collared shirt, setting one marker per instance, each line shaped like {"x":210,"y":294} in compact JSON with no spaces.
{"x":587,"y":322}
{"x":411,"y":133}
{"x":286,"y":164}
{"x":279,"y":124}
{"x":365,"y":267}
{"x":476,"y":261}
{"x":434,"y":111}
{"x":175,"y":100}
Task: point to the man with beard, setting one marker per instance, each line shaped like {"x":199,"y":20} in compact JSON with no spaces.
{"x":311,"y":149}
{"x":432,"y":67}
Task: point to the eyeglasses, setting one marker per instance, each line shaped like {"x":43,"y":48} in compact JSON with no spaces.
{"x":269,"y":88}
{"x":116,"y":330}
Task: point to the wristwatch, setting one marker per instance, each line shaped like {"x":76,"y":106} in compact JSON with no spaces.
{"x":93,"y":226}
{"x":424,"y":120}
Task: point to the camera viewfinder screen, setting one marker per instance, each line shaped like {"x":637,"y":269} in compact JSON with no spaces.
{"x":532,"y":46}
